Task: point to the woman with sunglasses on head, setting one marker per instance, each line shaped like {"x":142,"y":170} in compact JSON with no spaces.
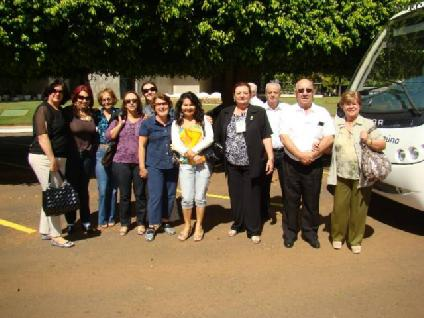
{"x":82,"y":153}
{"x":158,"y":166}
{"x":192,"y":133}
{"x":125,"y":166}
{"x":245,"y":132}
{"x":48,"y":153}
{"x":107,"y":190}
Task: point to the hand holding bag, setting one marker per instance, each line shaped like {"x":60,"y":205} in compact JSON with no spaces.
{"x":59,"y":200}
{"x":214,"y":154}
{"x":110,"y":152}
{"x":375,"y":166}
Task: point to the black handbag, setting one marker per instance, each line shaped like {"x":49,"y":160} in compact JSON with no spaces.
{"x":214,"y":154}
{"x":59,"y":200}
{"x":110,"y":152}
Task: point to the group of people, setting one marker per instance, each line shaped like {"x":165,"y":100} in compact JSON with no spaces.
{"x":158,"y":146}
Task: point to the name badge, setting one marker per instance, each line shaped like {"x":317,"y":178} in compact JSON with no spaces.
{"x":240,"y":126}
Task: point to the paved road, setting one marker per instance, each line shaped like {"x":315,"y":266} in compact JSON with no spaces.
{"x":113,"y":276}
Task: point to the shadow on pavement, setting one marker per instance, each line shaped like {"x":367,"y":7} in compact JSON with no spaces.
{"x":397,"y":215}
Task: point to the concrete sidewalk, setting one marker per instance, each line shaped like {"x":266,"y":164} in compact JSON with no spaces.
{"x":15,"y":129}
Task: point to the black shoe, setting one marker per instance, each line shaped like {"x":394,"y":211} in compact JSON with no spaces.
{"x":70,"y":229}
{"x":312,"y":242}
{"x":288,"y":243}
{"x":315,"y":244}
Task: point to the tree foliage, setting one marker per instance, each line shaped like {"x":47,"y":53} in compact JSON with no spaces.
{"x":186,"y":37}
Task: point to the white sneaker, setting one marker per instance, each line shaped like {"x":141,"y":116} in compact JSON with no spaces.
{"x":337,"y":245}
{"x":356,"y":249}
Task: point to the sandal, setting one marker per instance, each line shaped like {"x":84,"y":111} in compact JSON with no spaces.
{"x":123,"y":230}
{"x":199,"y":236}
{"x":184,"y":235}
{"x":64,"y":244}
{"x":232,"y":233}
{"x":141,"y":229}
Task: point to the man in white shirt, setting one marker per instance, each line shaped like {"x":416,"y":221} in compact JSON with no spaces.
{"x":275,"y":113}
{"x":307,"y":132}
{"x":254,"y":100}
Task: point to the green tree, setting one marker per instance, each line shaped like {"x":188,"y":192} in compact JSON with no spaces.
{"x":233,"y":39}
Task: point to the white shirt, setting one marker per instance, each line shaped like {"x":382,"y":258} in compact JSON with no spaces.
{"x":275,"y":118}
{"x":256,"y":101}
{"x":205,"y":142}
{"x":305,"y":128}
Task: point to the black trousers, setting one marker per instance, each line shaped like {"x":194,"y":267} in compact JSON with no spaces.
{"x":245,"y":197}
{"x":79,"y":169}
{"x":125,"y":175}
{"x":278,"y":165}
{"x":302,"y":187}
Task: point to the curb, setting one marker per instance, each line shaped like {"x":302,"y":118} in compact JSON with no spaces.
{"x":15,"y":129}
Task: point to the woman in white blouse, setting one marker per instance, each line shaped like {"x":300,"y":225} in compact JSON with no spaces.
{"x":191,"y":134}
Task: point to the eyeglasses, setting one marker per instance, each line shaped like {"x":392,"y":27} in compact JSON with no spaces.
{"x":80,"y":97}
{"x":57,"y":91}
{"x":107,"y":99}
{"x":303,"y":90}
{"x":134,"y":100}
{"x":161,"y":104}
{"x":150,"y":89}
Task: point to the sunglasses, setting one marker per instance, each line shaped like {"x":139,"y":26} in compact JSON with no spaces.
{"x":80,"y":97}
{"x":303,"y":90}
{"x":161,"y":104}
{"x":57,"y":91}
{"x":151,"y":89}
{"x":134,"y":100}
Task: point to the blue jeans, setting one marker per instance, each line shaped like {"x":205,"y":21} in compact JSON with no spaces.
{"x":194,"y":182}
{"x":107,"y":190}
{"x":161,"y":185}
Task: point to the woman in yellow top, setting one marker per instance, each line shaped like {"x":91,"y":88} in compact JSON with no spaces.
{"x":353,"y":192}
{"x":191,"y":134}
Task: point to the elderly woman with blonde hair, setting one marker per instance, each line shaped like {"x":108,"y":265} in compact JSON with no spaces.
{"x":352,"y":191}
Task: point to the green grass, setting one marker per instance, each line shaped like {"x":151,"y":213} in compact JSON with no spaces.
{"x":18,"y":120}
{"x":328,"y":102}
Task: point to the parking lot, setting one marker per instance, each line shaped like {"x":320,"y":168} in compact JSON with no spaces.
{"x":112,"y":276}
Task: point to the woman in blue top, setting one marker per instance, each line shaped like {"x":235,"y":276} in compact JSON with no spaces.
{"x":157,"y":165}
{"x":107,"y":191}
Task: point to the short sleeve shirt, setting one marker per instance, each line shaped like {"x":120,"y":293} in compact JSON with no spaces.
{"x":158,"y":150}
{"x":306,"y":127}
{"x":50,"y":121}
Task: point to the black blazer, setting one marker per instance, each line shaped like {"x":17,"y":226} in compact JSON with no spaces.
{"x":257,"y":129}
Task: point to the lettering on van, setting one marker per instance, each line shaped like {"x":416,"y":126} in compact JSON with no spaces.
{"x":378,"y":122}
{"x":392,"y":140}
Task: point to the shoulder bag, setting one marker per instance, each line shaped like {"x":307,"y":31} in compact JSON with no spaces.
{"x":375,"y":166}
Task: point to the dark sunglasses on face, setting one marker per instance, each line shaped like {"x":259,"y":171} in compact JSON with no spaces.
{"x":127,"y":101}
{"x":303,"y":90}
{"x":151,"y":89}
{"x":58,"y":91}
{"x":80,"y":97}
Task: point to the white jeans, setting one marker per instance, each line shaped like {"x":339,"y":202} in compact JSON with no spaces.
{"x":194,"y":182}
{"x":49,"y":225}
